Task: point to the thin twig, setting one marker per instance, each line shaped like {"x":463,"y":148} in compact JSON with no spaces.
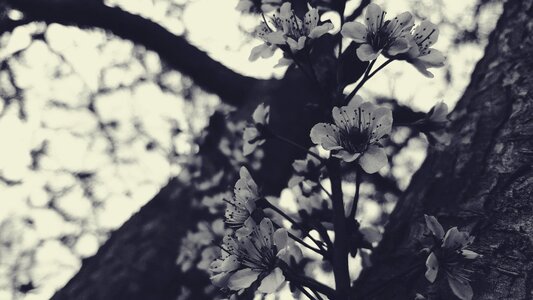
{"x":296,"y":145}
{"x":356,"y":196}
{"x":297,"y":225}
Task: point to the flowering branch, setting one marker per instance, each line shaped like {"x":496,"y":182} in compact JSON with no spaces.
{"x":258,"y":257}
{"x":340,"y":246}
{"x":266,"y":204}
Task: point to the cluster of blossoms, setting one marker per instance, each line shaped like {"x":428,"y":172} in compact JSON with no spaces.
{"x":447,"y":256}
{"x":286,"y":31}
{"x":257,"y":252}
{"x":395,"y":39}
{"x":254,"y":258}
{"x":359,"y":127}
{"x":252,"y":253}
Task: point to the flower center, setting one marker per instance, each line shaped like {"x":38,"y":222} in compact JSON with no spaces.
{"x":355,"y":140}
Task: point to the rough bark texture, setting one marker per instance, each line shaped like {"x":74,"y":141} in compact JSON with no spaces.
{"x":483,"y":182}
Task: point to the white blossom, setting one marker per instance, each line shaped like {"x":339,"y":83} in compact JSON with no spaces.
{"x":379,"y":36}
{"x":249,"y":258}
{"x":286,"y":30}
{"x":239,"y":209}
{"x":420,"y":55}
{"x":359,"y":127}
{"x":447,"y":254}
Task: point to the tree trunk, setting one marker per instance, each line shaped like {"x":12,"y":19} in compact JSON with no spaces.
{"x":482,"y":182}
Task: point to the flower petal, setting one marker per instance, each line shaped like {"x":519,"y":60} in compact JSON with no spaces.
{"x":366,"y":52}
{"x":461,"y":288}
{"x":355,"y":31}
{"x":400,"y":25}
{"x":346,"y":156}
{"x":400,"y":45}
{"x":280,"y":238}
{"x":326,"y":135}
{"x":382,"y":125}
{"x":434,"y":226}
{"x":229,"y":264}
{"x":469,"y":254}
{"x":456,"y":239}
{"x":283,"y":62}
{"x":432,"y":265}
{"x":310,"y":20}
{"x":426,"y":34}
{"x":373,"y":159}
{"x":320,"y":30}
{"x":263,"y":50}
{"x":434,"y":58}
{"x":242,"y":279}
{"x":267,"y":230}
{"x":272,"y":282}
{"x":422,"y":68}
{"x":261,"y":114}
{"x":356,"y":101}
{"x":221,"y":279}
{"x":374,"y":17}
{"x":276,"y":38}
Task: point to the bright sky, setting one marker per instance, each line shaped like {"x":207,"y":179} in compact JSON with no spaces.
{"x":75,"y":144}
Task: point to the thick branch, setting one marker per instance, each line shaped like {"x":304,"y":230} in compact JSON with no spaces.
{"x":482,"y":181}
{"x":207,"y":73}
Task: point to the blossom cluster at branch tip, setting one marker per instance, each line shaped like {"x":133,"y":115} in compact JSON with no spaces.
{"x":287,"y":31}
{"x":395,"y":39}
{"x":447,"y":255}
{"x":253,"y":135}
{"x":356,"y":135}
{"x":239,"y":209}
{"x":253,"y":260}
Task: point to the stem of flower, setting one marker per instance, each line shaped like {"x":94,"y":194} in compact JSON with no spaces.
{"x":361,"y":83}
{"x":380,"y":67}
{"x":306,"y":245}
{"x":340,"y":245}
{"x":366,"y":77}
{"x":296,"y":145}
{"x":358,"y":180}
{"x":324,"y":190}
{"x":312,"y":284}
{"x":320,"y":251}
{"x":305,"y":292}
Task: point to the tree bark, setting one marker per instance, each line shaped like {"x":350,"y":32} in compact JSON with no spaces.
{"x":482,"y":182}
{"x":233,"y":88}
